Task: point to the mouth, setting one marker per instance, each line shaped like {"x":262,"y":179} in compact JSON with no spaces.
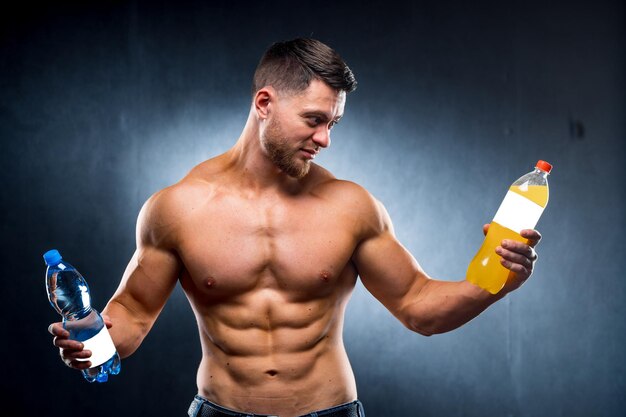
{"x":308,"y":153}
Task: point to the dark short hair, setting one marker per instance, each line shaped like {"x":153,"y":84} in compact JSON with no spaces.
{"x":291,"y":65}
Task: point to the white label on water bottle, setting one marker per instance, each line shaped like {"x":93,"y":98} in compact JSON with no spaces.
{"x":101,"y":347}
{"x":517,"y":212}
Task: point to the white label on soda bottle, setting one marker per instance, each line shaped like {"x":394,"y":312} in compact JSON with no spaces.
{"x":101,"y":347}
{"x":517,"y":212}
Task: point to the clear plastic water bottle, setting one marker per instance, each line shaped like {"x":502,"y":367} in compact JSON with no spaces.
{"x":521,"y":208}
{"x":69,"y":295}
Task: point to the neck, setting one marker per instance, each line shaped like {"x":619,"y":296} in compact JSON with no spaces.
{"x":249,"y":161}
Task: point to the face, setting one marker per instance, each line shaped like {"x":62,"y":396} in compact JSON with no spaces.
{"x":299,"y":126}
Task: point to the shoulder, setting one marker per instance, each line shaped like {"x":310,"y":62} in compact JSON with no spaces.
{"x":177,"y":200}
{"x":164,"y":211}
{"x":352,"y":199}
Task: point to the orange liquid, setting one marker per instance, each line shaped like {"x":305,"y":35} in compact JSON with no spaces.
{"x":538,"y":194}
{"x":485,"y":270}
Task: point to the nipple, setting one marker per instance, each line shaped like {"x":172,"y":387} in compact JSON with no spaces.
{"x":210,"y":282}
{"x":325,"y":276}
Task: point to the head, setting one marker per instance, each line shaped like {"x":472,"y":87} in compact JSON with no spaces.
{"x":299,"y":92}
{"x":290,"y":66}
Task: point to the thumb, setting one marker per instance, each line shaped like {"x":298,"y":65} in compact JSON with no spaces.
{"x":485,"y":229}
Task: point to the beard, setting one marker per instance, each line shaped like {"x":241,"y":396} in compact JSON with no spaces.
{"x":281,"y":153}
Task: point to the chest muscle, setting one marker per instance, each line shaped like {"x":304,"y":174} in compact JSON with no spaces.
{"x":300,"y":248}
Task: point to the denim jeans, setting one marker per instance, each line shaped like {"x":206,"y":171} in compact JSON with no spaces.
{"x":201,"y":407}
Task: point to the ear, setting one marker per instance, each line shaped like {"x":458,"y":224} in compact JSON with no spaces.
{"x":263,"y":100}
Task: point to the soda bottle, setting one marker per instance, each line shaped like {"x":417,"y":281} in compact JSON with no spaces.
{"x":521,"y":208}
{"x":69,"y":295}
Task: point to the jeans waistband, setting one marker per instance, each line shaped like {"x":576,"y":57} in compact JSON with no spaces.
{"x":201,"y":407}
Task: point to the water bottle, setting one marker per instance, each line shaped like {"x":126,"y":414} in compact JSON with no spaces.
{"x":69,"y":295}
{"x":521,"y":208}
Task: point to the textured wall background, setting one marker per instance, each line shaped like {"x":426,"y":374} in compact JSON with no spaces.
{"x":102,"y":104}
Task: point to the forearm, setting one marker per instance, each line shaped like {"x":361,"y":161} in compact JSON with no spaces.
{"x":441,"y":306}
{"x":128,"y":330}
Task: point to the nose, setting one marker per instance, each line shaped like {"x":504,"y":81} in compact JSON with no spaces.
{"x":321,"y":137}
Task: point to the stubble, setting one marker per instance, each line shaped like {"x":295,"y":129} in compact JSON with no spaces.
{"x":282,"y":153}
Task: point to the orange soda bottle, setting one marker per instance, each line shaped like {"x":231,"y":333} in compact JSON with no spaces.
{"x":521,"y":208}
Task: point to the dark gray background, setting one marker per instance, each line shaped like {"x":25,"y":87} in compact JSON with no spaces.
{"x":102,"y":104}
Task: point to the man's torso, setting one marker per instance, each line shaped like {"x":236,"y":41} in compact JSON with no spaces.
{"x":269,"y":275}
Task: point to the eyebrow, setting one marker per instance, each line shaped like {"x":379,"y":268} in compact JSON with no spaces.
{"x":320,"y":114}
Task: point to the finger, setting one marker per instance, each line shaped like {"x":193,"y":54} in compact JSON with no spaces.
{"x":68,"y":354}
{"x":67,"y":344}
{"x":515,"y":257}
{"x":485,"y":229}
{"x":515,"y":267}
{"x":80,"y":365}
{"x":532,"y":236}
{"x":519,"y":247}
{"x":75,"y":359}
{"x":56,"y":329}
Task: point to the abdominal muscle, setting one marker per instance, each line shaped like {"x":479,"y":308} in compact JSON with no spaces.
{"x":265,"y":354}
{"x":269,"y":277}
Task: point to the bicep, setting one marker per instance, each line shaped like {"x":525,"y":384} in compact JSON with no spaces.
{"x":152,"y":272}
{"x":149,"y":279}
{"x":387,"y":269}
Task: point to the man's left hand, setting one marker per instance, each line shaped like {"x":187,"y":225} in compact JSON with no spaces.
{"x":518,"y":257}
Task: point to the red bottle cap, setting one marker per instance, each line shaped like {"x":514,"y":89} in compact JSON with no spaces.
{"x":544,"y":166}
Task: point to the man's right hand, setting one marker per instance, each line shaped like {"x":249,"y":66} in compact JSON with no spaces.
{"x":71,"y":351}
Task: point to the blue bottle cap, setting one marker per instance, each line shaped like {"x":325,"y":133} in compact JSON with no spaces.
{"x":52,"y":257}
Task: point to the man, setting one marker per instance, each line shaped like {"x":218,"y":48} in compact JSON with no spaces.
{"x":268,"y":245}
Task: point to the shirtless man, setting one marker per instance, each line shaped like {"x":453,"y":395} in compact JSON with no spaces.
{"x":268,"y":245}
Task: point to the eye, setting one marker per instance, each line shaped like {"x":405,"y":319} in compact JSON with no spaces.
{"x":314,"y":121}
{"x":331,"y":124}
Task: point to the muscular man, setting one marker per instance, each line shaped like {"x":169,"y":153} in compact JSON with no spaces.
{"x":268,"y":245}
